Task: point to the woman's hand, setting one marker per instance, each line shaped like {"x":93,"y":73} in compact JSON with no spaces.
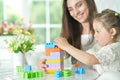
{"x":42,"y":65}
{"x":62,"y":42}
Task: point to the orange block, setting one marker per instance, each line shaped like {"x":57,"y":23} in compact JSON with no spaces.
{"x":76,"y":65}
{"x":49,"y":50}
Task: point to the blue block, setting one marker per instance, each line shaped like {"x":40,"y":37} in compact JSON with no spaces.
{"x":28,"y":68}
{"x":79,"y":70}
{"x":58,"y":74}
{"x":50,"y":45}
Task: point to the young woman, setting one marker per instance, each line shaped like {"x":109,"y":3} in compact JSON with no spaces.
{"x":104,"y":56}
{"x":77,"y":26}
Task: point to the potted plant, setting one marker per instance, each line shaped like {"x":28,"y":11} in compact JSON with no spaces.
{"x":20,"y":45}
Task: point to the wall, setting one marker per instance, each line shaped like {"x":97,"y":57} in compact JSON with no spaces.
{"x":111,"y":4}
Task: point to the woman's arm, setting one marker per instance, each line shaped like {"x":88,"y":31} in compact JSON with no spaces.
{"x":80,"y":55}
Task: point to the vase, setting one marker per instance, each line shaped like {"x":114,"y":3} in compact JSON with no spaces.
{"x":19,"y":59}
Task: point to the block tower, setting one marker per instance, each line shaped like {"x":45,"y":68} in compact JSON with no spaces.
{"x":55,"y":58}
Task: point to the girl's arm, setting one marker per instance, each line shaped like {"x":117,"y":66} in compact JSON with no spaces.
{"x":80,"y":55}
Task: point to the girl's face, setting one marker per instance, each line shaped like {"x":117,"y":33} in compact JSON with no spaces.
{"x":78,"y":10}
{"x":102,"y":36}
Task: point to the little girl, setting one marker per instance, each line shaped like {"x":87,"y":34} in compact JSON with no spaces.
{"x":104,"y":56}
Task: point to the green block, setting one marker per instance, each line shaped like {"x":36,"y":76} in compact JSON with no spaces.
{"x":39,"y":74}
{"x":26,"y":75}
{"x":67,"y":72}
{"x":34,"y":74}
{"x":19,"y":68}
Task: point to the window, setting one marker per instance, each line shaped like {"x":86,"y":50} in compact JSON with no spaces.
{"x":44,"y":14}
{"x":1,"y":10}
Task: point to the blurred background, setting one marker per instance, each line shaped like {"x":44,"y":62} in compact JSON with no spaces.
{"x":43,"y":17}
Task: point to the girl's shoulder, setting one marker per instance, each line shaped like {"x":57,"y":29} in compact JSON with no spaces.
{"x":94,"y":49}
{"x":108,"y":48}
{"x":115,"y":45}
{"x":111,"y":49}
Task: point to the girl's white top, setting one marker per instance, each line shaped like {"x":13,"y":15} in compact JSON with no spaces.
{"x":108,"y":56}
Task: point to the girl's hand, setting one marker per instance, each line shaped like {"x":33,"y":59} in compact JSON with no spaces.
{"x":42,"y":65}
{"x":62,"y":42}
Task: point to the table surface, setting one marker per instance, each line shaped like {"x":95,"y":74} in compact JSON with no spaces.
{"x":9,"y":74}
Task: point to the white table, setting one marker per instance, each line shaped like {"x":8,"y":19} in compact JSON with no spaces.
{"x":6,"y":71}
{"x":8,"y":74}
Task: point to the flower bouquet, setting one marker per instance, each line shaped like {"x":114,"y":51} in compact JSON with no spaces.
{"x":9,"y":29}
{"x":21,"y":42}
{"x":20,"y":45}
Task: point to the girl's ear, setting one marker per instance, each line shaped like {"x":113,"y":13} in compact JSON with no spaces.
{"x":113,"y":31}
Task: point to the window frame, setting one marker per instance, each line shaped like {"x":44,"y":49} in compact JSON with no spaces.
{"x":26,"y":16}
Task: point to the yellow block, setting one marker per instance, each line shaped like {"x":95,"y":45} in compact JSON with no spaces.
{"x":50,"y":71}
{"x":54,"y":60}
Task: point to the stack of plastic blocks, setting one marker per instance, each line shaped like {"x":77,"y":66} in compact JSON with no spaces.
{"x":63,"y":73}
{"x":54,"y":58}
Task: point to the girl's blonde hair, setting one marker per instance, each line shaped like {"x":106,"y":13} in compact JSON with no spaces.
{"x":110,"y":19}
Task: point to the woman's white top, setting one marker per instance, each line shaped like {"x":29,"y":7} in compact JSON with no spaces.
{"x":87,"y":43}
{"x":108,"y":56}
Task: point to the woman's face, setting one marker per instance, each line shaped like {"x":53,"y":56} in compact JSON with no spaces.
{"x":78,"y":10}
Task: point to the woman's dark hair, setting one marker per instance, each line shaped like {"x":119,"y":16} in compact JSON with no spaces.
{"x":72,"y":29}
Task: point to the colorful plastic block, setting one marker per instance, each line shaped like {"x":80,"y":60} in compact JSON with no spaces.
{"x":49,"y":50}
{"x":29,"y":75}
{"x":40,"y":74}
{"x":58,"y":74}
{"x":54,"y":60}
{"x":79,"y":70}
{"x":19,"y":68}
{"x":76,"y":65}
{"x":50,"y":71}
{"x":67,"y":72}
{"x":26,"y":75}
{"x":55,"y":64}
{"x":50,"y":45}
{"x":28,"y":68}
{"x":63,"y":73}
